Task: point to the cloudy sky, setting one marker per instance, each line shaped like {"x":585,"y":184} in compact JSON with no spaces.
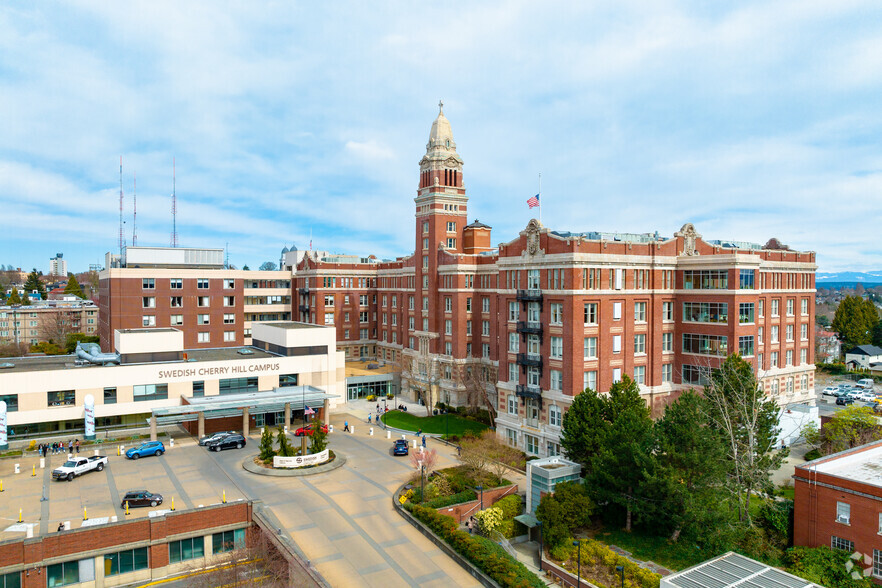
{"x":294,"y":118}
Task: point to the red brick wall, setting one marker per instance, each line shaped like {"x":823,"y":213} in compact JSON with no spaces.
{"x":462,"y":511}
{"x":32,"y":551}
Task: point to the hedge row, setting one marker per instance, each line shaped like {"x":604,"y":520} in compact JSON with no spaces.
{"x":489,"y":557}
{"x":458,"y":498}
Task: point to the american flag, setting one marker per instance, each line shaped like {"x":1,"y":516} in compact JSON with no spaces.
{"x":533,"y":202}
{"x":308,"y":410}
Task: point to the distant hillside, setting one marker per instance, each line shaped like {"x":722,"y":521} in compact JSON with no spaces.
{"x":845,"y":279}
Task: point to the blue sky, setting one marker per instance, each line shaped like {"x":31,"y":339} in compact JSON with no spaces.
{"x":749,"y":119}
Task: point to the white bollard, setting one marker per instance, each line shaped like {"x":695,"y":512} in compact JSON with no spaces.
{"x":403,"y":436}
{"x":17,"y":469}
{"x":286,"y":429}
{"x":70,"y":456}
{"x":42,"y":463}
{"x":330,"y":428}
{"x":388,"y":434}
{"x":171,"y":442}
{"x":261,"y":431}
{"x":372,"y":432}
{"x":422,"y":449}
{"x":414,"y":444}
{"x":96,"y":452}
{"x":352,"y":430}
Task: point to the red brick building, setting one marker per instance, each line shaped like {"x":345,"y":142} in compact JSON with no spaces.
{"x":838,"y":503}
{"x":191,"y":290}
{"x":533,"y":322}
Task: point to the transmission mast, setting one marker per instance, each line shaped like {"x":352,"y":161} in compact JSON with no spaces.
{"x":174,"y":235}
{"x":122,"y":236}
{"x":135,"y":211}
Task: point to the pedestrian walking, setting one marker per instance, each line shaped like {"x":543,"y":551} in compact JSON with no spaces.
{"x":345,"y":426}
{"x":60,"y":527}
{"x":378,"y":407}
{"x":70,"y":446}
{"x":369,"y":418}
{"x":78,"y":445}
{"x":419,"y":431}
{"x":424,"y":441}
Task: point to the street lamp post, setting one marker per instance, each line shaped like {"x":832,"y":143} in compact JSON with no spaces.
{"x":578,"y":564}
{"x":480,"y":488}
{"x":447,"y":424}
{"x":422,"y":490}
{"x":541,"y":553}
{"x":621,"y":571}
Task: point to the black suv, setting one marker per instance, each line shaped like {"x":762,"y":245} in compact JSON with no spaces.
{"x":227,"y":442}
{"x":214,"y":437}
{"x":141,"y":498}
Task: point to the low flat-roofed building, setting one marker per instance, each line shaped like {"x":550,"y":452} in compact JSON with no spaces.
{"x":730,"y":570}
{"x":151,"y":370}
{"x":838,"y":503}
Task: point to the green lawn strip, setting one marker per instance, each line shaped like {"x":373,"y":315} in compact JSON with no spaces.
{"x":674,"y":556}
{"x":436,"y":425}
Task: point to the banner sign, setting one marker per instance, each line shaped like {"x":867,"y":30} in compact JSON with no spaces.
{"x":301,"y":460}
{"x":89,"y":410}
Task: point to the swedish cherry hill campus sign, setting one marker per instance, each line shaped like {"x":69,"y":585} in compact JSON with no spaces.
{"x":221,"y":370}
{"x":301,"y":460}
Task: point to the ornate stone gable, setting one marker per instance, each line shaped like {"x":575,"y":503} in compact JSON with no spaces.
{"x":690,"y":235}
{"x":534,"y":227}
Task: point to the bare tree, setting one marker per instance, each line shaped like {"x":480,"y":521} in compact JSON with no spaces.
{"x":259,"y":564}
{"x":748,"y":422}
{"x":476,"y":387}
{"x":56,"y":325}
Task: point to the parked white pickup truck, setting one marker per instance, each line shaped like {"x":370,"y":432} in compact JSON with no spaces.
{"x":79,"y":466}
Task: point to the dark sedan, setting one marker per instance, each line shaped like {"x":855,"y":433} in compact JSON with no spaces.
{"x":227,"y":442}
{"x":844,"y":400}
{"x":141,"y":498}
{"x":399,"y":447}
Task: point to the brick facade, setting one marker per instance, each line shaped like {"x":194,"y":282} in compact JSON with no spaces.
{"x":512,"y":323}
{"x":30,"y":557}
{"x":819,"y":492}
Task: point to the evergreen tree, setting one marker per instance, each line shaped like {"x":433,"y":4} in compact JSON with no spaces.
{"x":747,"y":423}
{"x":34,"y":283}
{"x":617,"y":475}
{"x":26,"y":300}
{"x":318,"y":440}
{"x":684,"y":487}
{"x":73,"y":287}
{"x":584,"y":429}
{"x":855,"y":320}
{"x":14,"y":298}
{"x":285,"y":449}
{"x":266,"y":445}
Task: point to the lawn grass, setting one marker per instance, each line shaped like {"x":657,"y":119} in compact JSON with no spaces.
{"x":674,"y":556}
{"x":432,"y":424}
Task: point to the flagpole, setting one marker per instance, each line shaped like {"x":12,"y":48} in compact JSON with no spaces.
{"x":540,"y":197}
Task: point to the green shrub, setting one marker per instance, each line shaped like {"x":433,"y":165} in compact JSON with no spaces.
{"x":511,"y":528}
{"x":483,"y":553}
{"x":458,"y":498}
{"x":822,"y":566}
{"x":511,"y":506}
{"x":813,"y":454}
{"x":776,"y":517}
{"x":562,"y":551}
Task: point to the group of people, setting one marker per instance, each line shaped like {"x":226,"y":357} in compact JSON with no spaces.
{"x":44,"y":449}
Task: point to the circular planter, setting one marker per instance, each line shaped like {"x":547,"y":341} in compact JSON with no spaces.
{"x":338,"y":462}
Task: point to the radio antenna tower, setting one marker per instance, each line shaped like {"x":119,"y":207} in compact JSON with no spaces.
{"x":227,"y":256}
{"x":122,"y":236}
{"x":174,"y":235}
{"x":135,"y":212}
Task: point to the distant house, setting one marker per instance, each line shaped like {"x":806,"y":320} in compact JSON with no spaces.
{"x":862,"y":356}
{"x":828,"y":346}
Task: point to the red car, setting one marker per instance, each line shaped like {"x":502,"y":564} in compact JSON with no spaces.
{"x":307,"y":430}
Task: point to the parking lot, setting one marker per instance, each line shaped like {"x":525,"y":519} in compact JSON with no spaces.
{"x":342,"y":520}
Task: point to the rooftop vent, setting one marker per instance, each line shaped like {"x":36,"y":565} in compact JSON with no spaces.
{"x":245,"y":351}
{"x":6,"y":365}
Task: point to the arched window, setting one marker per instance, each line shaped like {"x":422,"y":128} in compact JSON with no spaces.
{"x":512,"y":404}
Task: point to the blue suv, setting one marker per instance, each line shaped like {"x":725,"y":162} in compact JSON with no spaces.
{"x":145,"y":449}
{"x":399,"y":447}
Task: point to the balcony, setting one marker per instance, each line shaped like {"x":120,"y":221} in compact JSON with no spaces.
{"x":304,"y":308}
{"x":304,"y":291}
{"x":534,"y":392}
{"x":530,"y":359}
{"x":530,"y":295}
{"x":530,"y":327}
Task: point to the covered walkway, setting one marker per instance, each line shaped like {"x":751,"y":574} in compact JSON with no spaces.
{"x":285,"y":398}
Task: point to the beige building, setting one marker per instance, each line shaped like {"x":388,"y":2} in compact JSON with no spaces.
{"x":150,"y":369}
{"x":50,"y":320}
